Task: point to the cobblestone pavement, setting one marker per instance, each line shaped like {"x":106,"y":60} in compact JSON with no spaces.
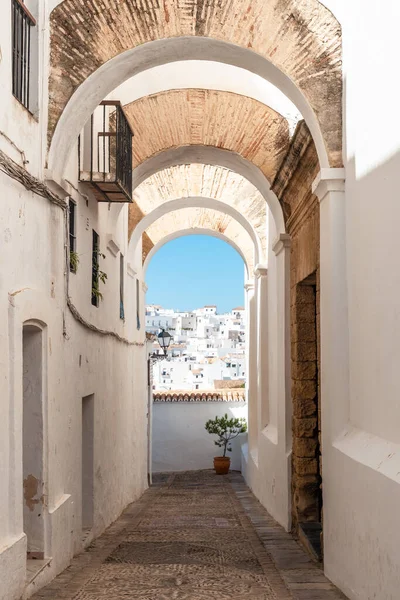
{"x":193,"y":536}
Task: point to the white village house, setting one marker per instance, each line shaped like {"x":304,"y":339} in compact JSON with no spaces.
{"x":205,"y":347}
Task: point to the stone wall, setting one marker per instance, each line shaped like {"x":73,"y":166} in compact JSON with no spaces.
{"x":301,"y":209}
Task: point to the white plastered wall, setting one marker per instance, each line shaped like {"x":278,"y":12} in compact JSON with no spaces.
{"x":266,"y":458}
{"x":77,"y":362}
{"x":361,"y":437}
{"x":180,"y":440}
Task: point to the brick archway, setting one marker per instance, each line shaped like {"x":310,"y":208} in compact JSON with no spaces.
{"x":150,"y":251}
{"x":198,"y":213}
{"x":221,"y":187}
{"x":297,"y":42}
{"x":209,"y":118}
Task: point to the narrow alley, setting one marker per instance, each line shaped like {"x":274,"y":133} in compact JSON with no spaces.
{"x":262,"y":128}
{"x":193,"y":536}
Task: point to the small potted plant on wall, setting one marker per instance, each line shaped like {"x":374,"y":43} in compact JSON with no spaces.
{"x":226,"y":429}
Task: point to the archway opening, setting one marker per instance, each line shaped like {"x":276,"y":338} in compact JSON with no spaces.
{"x":87,"y":462}
{"x":33,"y":441}
{"x":308,"y":94}
{"x":196,"y":294}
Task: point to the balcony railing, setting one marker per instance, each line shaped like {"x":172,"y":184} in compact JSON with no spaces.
{"x":105,"y":153}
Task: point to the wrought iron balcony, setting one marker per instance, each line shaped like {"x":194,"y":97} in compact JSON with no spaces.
{"x":105,"y":153}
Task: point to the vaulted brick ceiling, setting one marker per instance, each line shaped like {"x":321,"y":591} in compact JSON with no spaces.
{"x":200,"y":219}
{"x":206,"y":181}
{"x":211,"y":118}
{"x":299,"y":37}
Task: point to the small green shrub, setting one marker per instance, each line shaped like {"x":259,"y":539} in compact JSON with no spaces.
{"x":73,"y":261}
{"x":226,"y":429}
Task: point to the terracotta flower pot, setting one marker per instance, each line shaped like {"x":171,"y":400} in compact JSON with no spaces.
{"x":222,"y":464}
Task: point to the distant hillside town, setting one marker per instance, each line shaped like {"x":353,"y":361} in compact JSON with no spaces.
{"x":207,"y":350}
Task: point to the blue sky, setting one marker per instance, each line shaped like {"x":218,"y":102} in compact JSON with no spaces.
{"x":195,"y":270}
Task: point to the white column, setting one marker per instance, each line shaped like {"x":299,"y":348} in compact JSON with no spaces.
{"x":251,"y":388}
{"x":261,"y":274}
{"x":281,"y":248}
{"x":329,"y":186}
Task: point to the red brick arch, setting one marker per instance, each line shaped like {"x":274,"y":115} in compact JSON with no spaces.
{"x":301,"y":38}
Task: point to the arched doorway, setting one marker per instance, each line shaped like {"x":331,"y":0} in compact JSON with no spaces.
{"x":33,"y":433}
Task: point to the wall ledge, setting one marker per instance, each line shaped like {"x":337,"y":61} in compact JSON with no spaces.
{"x":371,"y":451}
{"x":112,"y":245}
{"x":270,"y":432}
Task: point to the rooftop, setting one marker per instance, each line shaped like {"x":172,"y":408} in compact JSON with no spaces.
{"x":227,"y":395}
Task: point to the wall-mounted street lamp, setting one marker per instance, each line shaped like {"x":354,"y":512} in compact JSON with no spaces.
{"x":164,"y":339}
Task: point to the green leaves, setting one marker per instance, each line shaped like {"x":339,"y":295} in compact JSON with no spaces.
{"x":73,"y":261}
{"x":226,"y":429}
{"x":98,"y":275}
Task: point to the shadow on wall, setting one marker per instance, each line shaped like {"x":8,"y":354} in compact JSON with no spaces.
{"x":180,"y":441}
{"x":373,"y":249}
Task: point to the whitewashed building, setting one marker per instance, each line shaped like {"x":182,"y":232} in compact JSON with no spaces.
{"x":205,"y":346}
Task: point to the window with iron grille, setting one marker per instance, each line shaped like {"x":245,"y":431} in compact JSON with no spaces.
{"x":22,"y":22}
{"x":72,"y":234}
{"x":95,"y":267}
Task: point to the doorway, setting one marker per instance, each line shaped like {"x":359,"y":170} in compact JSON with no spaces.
{"x":306,"y":457}
{"x":33,"y":445}
{"x":87,"y":462}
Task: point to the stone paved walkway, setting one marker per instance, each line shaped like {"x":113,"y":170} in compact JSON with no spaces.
{"x":193,"y":536}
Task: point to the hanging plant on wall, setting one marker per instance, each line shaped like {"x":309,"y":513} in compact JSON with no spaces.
{"x":73,"y":260}
{"x":97,"y":276}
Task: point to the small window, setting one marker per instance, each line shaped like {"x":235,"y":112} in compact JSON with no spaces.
{"x":121,"y":287}
{"x":72,"y":236}
{"x":137,"y":304}
{"x":22,"y":22}
{"x":197,"y":387}
{"x":95,"y":268}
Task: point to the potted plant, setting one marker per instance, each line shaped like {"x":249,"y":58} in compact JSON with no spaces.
{"x":226,"y":429}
